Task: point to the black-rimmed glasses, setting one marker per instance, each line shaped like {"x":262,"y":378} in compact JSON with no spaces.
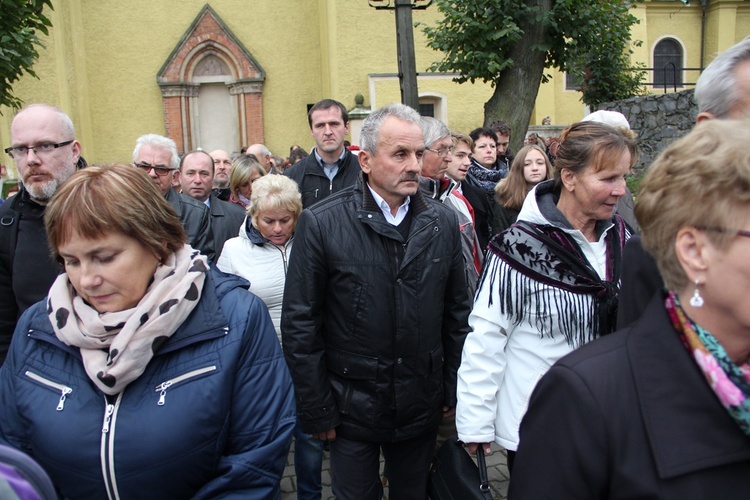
{"x":17,"y":152}
{"x":160,"y":170}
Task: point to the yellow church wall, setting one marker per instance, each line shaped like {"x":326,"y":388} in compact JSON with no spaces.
{"x":102,"y":57}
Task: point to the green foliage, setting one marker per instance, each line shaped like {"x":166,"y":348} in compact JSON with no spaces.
{"x":588,"y":38}
{"x":19,"y":22}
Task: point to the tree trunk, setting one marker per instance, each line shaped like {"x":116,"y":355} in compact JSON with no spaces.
{"x":516,"y":88}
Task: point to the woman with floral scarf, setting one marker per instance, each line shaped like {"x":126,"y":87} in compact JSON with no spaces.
{"x":661,"y":409}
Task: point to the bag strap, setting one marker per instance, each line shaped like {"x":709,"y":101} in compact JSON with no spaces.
{"x":484,"y":483}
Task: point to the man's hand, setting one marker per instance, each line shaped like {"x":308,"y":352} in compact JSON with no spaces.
{"x":329,"y":435}
{"x":472,"y":447}
{"x":449,"y":411}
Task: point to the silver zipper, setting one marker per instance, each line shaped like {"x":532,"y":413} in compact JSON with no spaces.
{"x":162,"y":388}
{"x":64,"y":390}
{"x":107,"y":452}
{"x":107,"y":417}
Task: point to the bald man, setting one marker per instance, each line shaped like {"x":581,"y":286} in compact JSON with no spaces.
{"x":222,"y":168}
{"x":46,"y":152}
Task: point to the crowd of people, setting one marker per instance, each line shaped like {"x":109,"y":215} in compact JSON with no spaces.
{"x":169,"y":326}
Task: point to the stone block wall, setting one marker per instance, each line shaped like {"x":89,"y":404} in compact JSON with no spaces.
{"x":658,"y":119}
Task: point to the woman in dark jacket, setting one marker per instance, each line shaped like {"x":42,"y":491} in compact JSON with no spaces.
{"x":662,"y":408}
{"x":145,"y":374}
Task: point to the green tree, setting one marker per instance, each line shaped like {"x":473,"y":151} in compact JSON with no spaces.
{"x":19,"y":22}
{"x":509,"y":43}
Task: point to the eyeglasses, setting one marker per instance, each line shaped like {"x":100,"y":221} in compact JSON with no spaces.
{"x":160,"y":170}
{"x":442,"y":152}
{"x":19,"y":152}
{"x":738,"y":232}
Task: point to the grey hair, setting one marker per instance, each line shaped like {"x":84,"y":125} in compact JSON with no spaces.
{"x":264,"y":151}
{"x":433,"y":130}
{"x":160,"y":142}
{"x":716,"y":88}
{"x":368,"y":135}
{"x":66,"y":123}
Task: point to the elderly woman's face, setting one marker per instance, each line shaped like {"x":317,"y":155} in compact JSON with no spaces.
{"x":276,"y":225}
{"x":111,"y":273}
{"x":246,"y":188}
{"x":596,"y":193}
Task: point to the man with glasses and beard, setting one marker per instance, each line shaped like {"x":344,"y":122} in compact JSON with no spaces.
{"x":157,"y":156}
{"x":46,"y":153}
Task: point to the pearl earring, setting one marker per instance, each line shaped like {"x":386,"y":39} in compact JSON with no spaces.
{"x":696,"y":300}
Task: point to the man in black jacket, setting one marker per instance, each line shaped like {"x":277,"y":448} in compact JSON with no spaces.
{"x":157,"y":156}
{"x":196,"y":180}
{"x":330,"y":167}
{"x":46,"y":153}
{"x":375,"y":314}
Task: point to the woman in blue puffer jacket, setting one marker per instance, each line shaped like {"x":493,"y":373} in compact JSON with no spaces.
{"x":145,"y":373}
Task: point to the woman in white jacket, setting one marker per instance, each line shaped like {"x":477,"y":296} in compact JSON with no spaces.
{"x":549,"y":284}
{"x":261,"y":251}
{"x":260,"y":254}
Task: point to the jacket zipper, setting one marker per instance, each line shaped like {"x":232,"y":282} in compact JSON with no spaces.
{"x":107,"y":452}
{"x":64,"y":390}
{"x":162,"y":388}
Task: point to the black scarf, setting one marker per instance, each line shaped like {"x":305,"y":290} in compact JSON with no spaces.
{"x":547,"y":255}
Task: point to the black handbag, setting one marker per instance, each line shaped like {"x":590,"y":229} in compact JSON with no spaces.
{"x":455,"y":476}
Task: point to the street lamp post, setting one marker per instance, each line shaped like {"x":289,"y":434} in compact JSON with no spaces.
{"x":407,"y":66}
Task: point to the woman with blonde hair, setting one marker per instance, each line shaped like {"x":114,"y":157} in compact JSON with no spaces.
{"x":260,"y":254}
{"x":145,"y":373}
{"x":661,"y":409}
{"x":245,"y":170}
{"x":530,"y":167}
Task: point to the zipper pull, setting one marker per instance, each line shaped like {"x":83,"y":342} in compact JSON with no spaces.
{"x":107,"y":415}
{"x":330,"y":187}
{"x":316,"y":194}
{"x":163,"y":394}
{"x":64,"y":394}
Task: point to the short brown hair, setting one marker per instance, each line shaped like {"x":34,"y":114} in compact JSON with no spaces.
{"x":118,"y":198}
{"x":701,"y":180}
{"x":594,"y":144}
{"x":465,"y":138}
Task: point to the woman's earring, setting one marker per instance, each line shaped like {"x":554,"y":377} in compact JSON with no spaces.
{"x":696,"y":300}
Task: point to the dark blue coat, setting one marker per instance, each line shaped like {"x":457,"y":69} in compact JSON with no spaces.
{"x":223,"y":430}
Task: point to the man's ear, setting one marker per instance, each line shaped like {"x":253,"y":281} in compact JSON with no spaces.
{"x":364,"y":161}
{"x":76,"y":146}
{"x":693,"y":253}
{"x":703,"y":116}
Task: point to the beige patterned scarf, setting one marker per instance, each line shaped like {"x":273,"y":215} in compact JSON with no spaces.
{"x":117,"y":346}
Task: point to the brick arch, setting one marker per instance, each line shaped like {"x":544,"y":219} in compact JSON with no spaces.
{"x":208,"y":36}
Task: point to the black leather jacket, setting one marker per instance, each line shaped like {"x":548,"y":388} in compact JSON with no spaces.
{"x":313,"y":183}
{"x":373,"y":324}
{"x":196,"y":220}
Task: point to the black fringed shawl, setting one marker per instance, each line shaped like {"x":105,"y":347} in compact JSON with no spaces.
{"x":547,"y":255}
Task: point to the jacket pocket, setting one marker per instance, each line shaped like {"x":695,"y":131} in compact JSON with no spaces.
{"x":61,"y":389}
{"x":352,"y":373}
{"x":181,"y":379}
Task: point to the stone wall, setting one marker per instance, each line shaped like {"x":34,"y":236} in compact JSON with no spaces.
{"x":658,"y":119}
